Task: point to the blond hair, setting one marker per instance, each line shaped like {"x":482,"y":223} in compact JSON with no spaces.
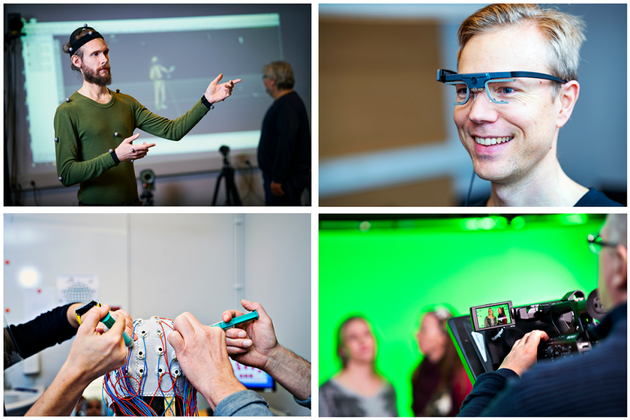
{"x":563,"y":32}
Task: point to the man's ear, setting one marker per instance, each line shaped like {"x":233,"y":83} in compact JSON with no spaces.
{"x":619,"y":284}
{"x":76,"y":60}
{"x":568,"y":96}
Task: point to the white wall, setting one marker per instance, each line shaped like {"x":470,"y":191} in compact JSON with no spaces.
{"x":165,"y":264}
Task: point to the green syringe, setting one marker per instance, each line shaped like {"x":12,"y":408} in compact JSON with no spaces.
{"x":252,"y":316}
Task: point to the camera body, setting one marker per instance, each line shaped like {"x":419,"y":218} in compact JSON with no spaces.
{"x":486,"y":337}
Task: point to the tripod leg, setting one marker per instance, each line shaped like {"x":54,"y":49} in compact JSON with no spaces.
{"x":232,"y":191}
{"x":217,"y":187}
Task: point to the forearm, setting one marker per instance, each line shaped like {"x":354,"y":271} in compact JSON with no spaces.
{"x":46,"y":330}
{"x":62,"y":395}
{"x":485,"y":391}
{"x":72,"y":171}
{"x":216,"y":391}
{"x":171,"y":129}
{"x":291,"y":371}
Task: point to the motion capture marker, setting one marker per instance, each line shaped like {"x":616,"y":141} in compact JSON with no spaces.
{"x":56,"y":139}
{"x":67,"y":99}
{"x":90,"y":33}
{"x":70,"y":49}
{"x":60,"y":178}
{"x":131,"y":161}
{"x":116,"y":134}
{"x":85,"y":25}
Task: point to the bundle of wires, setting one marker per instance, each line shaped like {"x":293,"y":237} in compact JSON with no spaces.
{"x":140,"y":392}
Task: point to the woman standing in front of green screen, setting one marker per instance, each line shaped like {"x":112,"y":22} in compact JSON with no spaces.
{"x":358,"y":390}
{"x":491,"y":320}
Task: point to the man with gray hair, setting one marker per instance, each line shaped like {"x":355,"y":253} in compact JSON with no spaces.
{"x":591,"y":385}
{"x":516,"y":86}
{"x":284,"y":151}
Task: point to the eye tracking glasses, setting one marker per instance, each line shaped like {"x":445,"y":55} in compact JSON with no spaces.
{"x":499,"y":94}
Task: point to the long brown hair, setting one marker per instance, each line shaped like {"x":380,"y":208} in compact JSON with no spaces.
{"x":450,"y":362}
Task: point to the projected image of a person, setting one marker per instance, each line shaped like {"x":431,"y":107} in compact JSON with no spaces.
{"x":501,"y":317}
{"x":510,"y":125}
{"x":491,"y":320}
{"x":284,"y":151}
{"x":94,"y":126}
{"x":358,"y":390}
{"x":440,"y":383}
{"x":523,"y":388}
{"x":159,"y":86}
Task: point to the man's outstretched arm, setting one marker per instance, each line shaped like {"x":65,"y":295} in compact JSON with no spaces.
{"x":176,"y":129}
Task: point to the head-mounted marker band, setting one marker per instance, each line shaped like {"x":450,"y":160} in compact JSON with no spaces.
{"x":78,"y":43}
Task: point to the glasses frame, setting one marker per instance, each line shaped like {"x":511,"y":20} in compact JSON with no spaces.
{"x":592,"y":242}
{"x":480,"y":80}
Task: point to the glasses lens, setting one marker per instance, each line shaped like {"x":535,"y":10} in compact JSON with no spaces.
{"x":501,"y":91}
{"x":595,"y":243}
{"x":461,"y":94}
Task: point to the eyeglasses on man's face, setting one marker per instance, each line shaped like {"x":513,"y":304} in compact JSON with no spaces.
{"x":595,"y":243}
{"x":500,"y":87}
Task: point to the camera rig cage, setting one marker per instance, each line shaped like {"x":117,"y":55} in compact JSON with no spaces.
{"x":567,"y":321}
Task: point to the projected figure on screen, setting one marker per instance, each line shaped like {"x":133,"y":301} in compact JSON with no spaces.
{"x":94,"y":126}
{"x":159,"y":86}
{"x":284,"y":151}
{"x":490,"y":320}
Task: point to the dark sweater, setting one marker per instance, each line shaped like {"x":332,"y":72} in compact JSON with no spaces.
{"x":592,"y":198}
{"x":86,"y":130}
{"x":593,"y":385}
{"x":45,"y":331}
{"x":285,"y":139}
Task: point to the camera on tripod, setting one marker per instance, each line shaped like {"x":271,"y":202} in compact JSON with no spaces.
{"x":226,"y":175}
{"x":486,"y":337}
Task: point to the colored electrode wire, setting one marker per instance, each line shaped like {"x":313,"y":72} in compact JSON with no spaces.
{"x":127,"y":396}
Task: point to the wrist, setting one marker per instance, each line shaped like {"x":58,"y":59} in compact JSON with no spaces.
{"x":72,"y":316}
{"x":274,"y":358}
{"x":112,"y":152}
{"x":72,"y":374}
{"x":221,"y":391}
{"x":205,"y":102}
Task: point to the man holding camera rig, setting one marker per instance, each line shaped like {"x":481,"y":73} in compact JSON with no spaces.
{"x":594,"y":384}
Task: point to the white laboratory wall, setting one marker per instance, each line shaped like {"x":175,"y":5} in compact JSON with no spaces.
{"x":289,"y":304}
{"x":165,"y":264}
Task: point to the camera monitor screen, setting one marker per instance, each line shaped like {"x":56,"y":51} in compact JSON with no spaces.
{"x":494,"y":315}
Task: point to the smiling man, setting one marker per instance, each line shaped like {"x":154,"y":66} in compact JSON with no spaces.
{"x":94,"y":126}
{"x":516,"y":86}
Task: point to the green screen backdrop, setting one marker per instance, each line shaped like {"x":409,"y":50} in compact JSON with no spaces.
{"x":388,"y":270}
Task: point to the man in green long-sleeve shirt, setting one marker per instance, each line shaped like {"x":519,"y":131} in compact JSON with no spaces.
{"x":94,"y":127}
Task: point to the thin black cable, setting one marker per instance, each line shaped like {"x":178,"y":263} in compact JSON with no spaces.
{"x":472,"y":179}
{"x":35,"y":193}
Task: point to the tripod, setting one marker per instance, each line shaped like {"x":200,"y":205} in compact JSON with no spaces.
{"x":227,"y":174}
{"x":147,"y":198}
